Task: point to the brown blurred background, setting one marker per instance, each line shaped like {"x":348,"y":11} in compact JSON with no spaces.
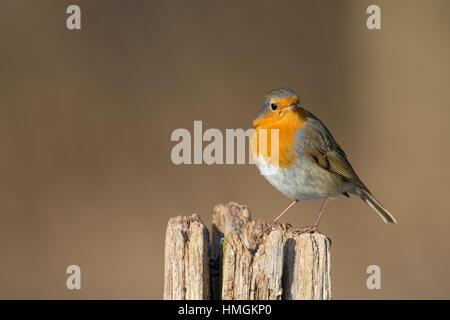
{"x":86,"y":118}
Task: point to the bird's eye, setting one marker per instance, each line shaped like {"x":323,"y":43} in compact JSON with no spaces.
{"x":273,"y":106}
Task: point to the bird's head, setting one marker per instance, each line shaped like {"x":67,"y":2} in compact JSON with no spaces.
{"x":278,"y":104}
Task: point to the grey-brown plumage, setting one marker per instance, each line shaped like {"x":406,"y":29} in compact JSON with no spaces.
{"x":319,"y":146}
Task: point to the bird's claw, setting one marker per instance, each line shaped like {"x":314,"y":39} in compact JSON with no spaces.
{"x":310,"y":229}
{"x":266,"y":230}
{"x":269,"y":227}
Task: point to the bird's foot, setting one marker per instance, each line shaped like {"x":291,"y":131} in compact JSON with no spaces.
{"x":270,"y":226}
{"x":266,"y":230}
{"x":310,"y":229}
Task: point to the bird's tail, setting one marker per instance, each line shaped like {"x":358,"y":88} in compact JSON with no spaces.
{"x":368,"y":198}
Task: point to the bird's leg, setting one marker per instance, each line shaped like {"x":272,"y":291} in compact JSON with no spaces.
{"x":322,"y":209}
{"x":274,"y":222}
{"x":316,"y":223}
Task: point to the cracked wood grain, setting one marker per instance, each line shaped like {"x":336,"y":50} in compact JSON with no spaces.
{"x":186,"y":272}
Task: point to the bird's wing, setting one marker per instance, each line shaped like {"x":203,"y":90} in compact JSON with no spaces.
{"x":319,"y":146}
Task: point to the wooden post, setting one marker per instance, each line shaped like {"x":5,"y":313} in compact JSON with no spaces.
{"x":242,"y":262}
{"x":186,"y":273}
{"x":306,"y":273}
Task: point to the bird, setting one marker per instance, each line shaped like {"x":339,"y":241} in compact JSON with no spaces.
{"x":309,"y":164}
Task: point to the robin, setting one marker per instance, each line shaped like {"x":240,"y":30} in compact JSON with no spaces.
{"x":310,"y":165}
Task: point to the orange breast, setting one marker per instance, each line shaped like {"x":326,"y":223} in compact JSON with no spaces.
{"x":287,"y":125}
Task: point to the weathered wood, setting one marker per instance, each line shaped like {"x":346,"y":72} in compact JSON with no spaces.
{"x":248,"y":264}
{"x":306,"y":272}
{"x":225,"y":220}
{"x":186,"y":274}
{"x":252,"y":270}
{"x":252,"y":275}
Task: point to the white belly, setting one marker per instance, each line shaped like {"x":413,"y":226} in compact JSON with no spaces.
{"x":303,"y":180}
